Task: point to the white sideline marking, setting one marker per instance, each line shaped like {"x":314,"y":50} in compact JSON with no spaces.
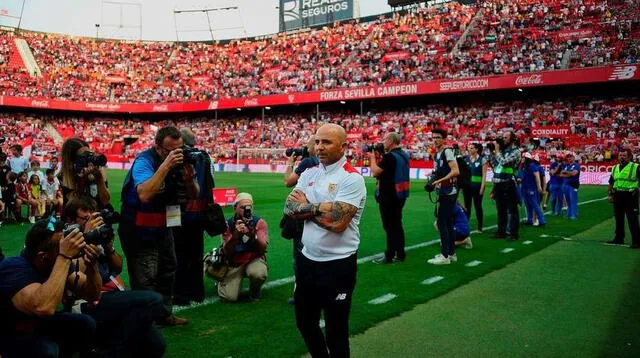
{"x":412,"y":247}
{"x":473,"y":263}
{"x":507,"y":250}
{"x":383,"y":299}
{"x":286,"y":280}
{"x":544,"y":235}
{"x":527,"y":242}
{"x":206,"y":302}
{"x":432,"y":280}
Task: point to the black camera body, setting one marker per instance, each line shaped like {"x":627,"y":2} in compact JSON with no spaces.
{"x":429,"y":187}
{"x":86,"y":158}
{"x":378,"y":147}
{"x":101,"y":235}
{"x":191,"y":155}
{"x":297,"y":152}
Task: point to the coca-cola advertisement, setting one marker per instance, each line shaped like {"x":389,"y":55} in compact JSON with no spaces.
{"x":529,"y":80}
{"x":511,"y":81}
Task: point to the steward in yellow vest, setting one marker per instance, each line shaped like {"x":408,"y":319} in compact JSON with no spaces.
{"x":623,"y":193}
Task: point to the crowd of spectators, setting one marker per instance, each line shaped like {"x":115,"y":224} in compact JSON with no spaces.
{"x":422,"y":44}
{"x":597,"y":129}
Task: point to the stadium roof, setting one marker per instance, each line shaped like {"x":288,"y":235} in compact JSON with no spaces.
{"x":153,"y":19}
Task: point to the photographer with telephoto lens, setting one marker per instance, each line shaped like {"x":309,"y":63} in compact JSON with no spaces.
{"x":125,"y":319}
{"x":392,"y":174}
{"x":84,"y":173}
{"x":245,"y":245}
{"x":189,"y":237}
{"x":505,"y":158}
{"x":150,"y":208}
{"x":32,"y":287}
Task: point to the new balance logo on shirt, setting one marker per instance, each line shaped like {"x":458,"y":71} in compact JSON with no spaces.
{"x":341,"y":297}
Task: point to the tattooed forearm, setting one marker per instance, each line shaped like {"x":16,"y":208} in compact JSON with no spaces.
{"x":299,"y":211}
{"x":337,"y":218}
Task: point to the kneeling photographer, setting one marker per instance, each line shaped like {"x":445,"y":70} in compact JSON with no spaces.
{"x":444,"y":182}
{"x":245,"y":245}
{"x":32,"y":287}
{"x":84,"y":173}
{"x":392,"y":173}
{"x":124,"y":318}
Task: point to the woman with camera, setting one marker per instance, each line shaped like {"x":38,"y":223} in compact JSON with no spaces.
{"x":83,"y":173}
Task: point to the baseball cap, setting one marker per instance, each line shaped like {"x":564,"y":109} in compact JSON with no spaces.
{"x":243,"y":196}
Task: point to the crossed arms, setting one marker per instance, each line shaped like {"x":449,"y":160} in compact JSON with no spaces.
{"x":334,"y":216}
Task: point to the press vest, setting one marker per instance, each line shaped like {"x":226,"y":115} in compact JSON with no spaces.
{"x":401,"y":175}
{"x":143,"y":221}
{"x":625,"y":179}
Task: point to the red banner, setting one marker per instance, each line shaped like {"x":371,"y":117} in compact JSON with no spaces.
{"x":537,"y":79}
{"x":395,"y":56}
{"x":551,"y":131}
{"x":225,"y":196}
{"x":565,"y":35}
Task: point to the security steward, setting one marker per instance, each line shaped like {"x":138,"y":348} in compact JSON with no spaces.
{"x":623,"y":193}
{"x":393,"y":178}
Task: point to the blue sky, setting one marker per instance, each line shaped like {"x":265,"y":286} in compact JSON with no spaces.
{"x":78,"y":17}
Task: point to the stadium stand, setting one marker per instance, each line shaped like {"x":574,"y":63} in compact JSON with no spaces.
{"x":447,"y":41}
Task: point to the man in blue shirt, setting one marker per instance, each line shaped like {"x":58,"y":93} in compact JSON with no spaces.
{"x":555,"y":186}
{"x":32,"y":287}
{"x":150,"y":208}
{"x":532,"y":189}
{"x":571,"y":182}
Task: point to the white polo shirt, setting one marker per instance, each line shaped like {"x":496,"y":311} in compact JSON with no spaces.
{"x":336,"y":182}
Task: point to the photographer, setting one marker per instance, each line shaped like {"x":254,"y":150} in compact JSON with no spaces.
{"x":150,"y":207}
{"x":444,"y":181}
{"x":309,"y":160}
{"x":393,"y":190}
{"x":83,"y":173}
{"x":125,"y":318}
{"x":189,"y":237}
{"x":32,"y":286}
{"x":505,"y":159}
{"x":245,"y":244}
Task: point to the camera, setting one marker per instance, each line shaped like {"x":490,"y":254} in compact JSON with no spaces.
{"x":2,"y":139}
{"x":297,"y":152}
{"x":429,"y":187}
{"x":87,"y":158}
{"x":191,"y":155}
{"x":247,"y":215}
{"x":378,"y":147}
{"x":101,"y":235}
